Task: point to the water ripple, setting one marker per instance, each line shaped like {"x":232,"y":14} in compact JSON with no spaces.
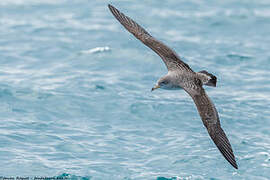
{"x":76,"y":100}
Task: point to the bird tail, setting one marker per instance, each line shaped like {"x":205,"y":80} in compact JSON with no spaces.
{"x":208,"y":79}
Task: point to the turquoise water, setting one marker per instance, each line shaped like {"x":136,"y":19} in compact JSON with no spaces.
{"x":75,"y":96}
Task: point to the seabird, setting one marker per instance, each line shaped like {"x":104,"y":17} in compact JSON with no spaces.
{"x":180,"y":75}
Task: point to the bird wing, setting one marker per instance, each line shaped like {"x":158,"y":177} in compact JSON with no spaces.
{"x":211,"y":121}
{"x":169,"y":57}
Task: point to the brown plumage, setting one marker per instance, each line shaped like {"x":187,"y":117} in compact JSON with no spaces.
{"x":181,"y":75}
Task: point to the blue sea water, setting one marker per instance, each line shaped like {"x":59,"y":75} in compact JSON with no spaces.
{"x":75,"y":96}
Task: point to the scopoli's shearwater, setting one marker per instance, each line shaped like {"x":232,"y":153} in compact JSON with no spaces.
{"x":180,"y":75}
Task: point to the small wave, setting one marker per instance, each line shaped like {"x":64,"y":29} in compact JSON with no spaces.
{"x":262,"y":13}
{"x":70,"y":176}
{"x":27,"y":2}
{"x":239,"y":56}
{"x":176,"y":36}
{"x":184,"y":14}
{"x":96,"y":50}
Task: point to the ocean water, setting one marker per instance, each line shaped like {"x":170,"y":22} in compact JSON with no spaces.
{"x":75,"y":96}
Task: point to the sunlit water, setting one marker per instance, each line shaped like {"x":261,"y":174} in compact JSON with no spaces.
{"x":75,"y":96}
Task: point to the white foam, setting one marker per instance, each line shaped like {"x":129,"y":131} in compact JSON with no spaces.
{"x":96,"y":50}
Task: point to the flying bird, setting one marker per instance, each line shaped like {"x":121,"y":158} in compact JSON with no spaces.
{"x":180,"y":75}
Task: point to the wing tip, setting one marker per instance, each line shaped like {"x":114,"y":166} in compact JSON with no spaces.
{"x":116,"y":13}
{"x":234,"y":164}
{"x":229,"y":157}
{"x":110,"y":7}
{"x":224,"y":146}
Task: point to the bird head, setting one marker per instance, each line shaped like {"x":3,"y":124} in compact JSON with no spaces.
{"x":161,"y":83}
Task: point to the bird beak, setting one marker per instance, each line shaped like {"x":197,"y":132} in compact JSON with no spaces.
{"x":155,"y":87}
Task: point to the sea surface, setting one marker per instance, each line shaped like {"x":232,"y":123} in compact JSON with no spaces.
{"x":75,"y":99}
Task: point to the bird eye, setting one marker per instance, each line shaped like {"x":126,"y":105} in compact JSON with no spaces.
{"x":164,"y":82}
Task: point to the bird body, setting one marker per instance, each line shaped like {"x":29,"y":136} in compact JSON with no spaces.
{"x":180,"y":75}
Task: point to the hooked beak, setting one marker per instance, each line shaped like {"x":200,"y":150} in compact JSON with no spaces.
{"x":155,"y":87}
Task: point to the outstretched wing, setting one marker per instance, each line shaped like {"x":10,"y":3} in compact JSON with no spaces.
{"x":211,"y":121}
{"x":169,"y":57}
